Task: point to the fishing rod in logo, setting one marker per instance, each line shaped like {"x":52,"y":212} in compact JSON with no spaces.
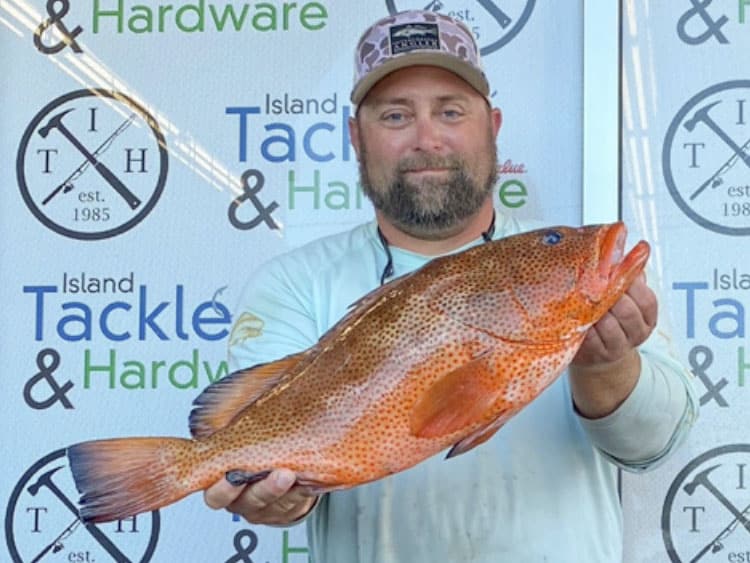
{"x":93,"y":159}
{"x":97,"y":130}
{"x":42,"y":522}
{"x":706,"y":505}
{"x":706,"y":158}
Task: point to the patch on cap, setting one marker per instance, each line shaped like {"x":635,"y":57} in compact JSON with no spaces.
{"x":414,"y":36}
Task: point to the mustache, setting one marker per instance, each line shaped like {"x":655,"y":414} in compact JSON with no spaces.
{"x":420,"y":162}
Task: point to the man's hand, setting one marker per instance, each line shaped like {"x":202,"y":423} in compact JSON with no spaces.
{"x":274,"y":500}
{"x":607,"y":366}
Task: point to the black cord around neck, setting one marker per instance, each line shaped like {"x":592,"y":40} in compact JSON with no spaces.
{"x":490,"y":232}
{"x":388,"y":269}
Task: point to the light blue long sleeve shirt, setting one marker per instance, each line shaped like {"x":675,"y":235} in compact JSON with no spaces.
{"x":544,"y":488}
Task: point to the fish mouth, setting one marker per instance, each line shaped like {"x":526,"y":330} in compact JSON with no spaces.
{"x":618,"y":268}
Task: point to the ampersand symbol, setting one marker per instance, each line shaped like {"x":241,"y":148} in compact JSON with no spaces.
{"x":250,"y":193}
{"x":47,"y":361}
{"x":700,"y":358}
{"x":713,"y":27}
{"x":243,"y":553}
{"x":55,"y":18}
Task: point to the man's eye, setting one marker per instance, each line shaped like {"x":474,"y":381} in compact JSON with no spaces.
{"x":394,"y":117}
{"x":452,"y":113}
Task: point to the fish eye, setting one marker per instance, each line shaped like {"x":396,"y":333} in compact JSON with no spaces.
{"x":552,"y":237}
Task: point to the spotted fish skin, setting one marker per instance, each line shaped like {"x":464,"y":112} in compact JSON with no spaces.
{"x":437,"y":359}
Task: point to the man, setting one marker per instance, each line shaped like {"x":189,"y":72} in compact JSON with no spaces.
{"x":543,"y":488}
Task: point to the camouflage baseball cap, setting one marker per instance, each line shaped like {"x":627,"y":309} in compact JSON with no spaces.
{"x":416,"y":37}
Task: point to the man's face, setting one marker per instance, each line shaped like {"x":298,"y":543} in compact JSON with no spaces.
{"x":426,"y":146}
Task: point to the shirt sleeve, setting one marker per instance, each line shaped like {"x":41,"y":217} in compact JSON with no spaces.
{"x":655,"y":418}
{"x":272,"y":319}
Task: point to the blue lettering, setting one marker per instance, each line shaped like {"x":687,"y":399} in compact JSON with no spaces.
{"x":243,"y":112}
{"x":104,"y":321}
{"x":179,"y":331}
{"x":223,"y":317}
{"x":690,"y":287}
{"x":39,"y":290}
{"x":306,"y":142}
{"x":287,"y":141}
{"x":737,"y":317}
{"x":84,"y":319}
{"x":346,"y":142}
{"x":148,"y":319}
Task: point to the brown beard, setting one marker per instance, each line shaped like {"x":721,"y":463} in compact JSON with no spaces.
{"x":436,"y":207}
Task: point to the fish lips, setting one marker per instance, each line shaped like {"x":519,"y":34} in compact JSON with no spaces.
{"x":620,"y":271}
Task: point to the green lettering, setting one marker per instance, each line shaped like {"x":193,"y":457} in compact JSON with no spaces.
{"x":147,"y":17}
{"x":742,"y":366}
{"x":314,"y":189}
{"x":288,"y":8}
{"x":313,"y":11}
{"x":221,"y":371}
{"x":341,"y":195}
{"x":237,"y":21}
{"x":742,"y":5}
{"x":88,"y":369}
{"x":512,"y":194}
{"x":192,"y":382}
{"x":155,"y":367}
{"x":163,"y":12}
{"x":200,"y":14}
{"x":134,"y":376}
{"x":286,"y":551}
{"x":360,"y":195}
{"x":99,"y":13}
{"x":269,"y":14}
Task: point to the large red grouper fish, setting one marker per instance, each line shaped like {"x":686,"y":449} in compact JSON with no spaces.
{"x":439,"y":358}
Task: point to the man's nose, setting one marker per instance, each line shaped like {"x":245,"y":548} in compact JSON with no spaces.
{"x":429,"y":136}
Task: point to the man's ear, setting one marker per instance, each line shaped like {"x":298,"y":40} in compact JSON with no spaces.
{"x":496,"y":117}
{"x":354,"y":134}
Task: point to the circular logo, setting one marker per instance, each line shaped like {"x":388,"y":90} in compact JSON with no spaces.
{"x":41,"y":520}
{"x":92,"y":164}
{"x":706,"y":158}
{"x":706,"y":513}
{"x":492,"y":25}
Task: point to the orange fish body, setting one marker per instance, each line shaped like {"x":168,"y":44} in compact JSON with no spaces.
{"x":438,"y":358}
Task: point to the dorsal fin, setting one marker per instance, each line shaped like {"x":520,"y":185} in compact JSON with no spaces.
{"x":221,"y":401}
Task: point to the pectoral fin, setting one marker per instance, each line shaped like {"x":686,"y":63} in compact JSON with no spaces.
{"x":459,"y":399}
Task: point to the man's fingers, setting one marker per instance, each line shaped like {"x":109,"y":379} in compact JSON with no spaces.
{"x":645,"y":299}
{"x":263,"y":493}
{"x":221,"y":494}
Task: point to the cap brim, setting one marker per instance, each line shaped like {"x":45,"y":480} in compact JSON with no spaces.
{"x":465,"y":70}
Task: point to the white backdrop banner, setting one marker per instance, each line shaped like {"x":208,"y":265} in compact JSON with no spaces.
{"x":153,"y":155}
{"x":686,"y":188}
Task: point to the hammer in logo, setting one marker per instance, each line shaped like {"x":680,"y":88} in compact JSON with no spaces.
{"x":701,"y":479}
{"x":45,"y":481}
{"x":55,"y":122}
{"x":702,"y":115}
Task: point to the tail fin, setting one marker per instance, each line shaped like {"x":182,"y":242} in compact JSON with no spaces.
{"x":123,"y":477}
